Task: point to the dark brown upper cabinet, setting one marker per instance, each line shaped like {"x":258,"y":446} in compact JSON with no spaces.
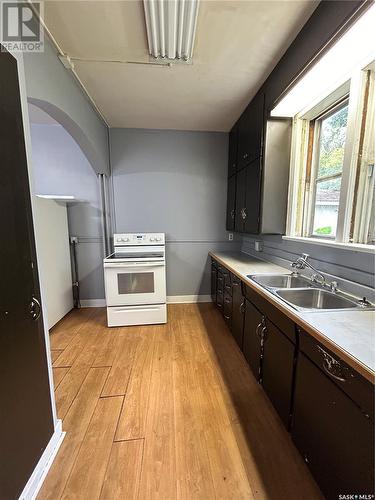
{"x":231,"y":203}
{"x":262,"y":185}
{"x":250,"y":132}
{"x":248,"y":198}
{"x":232,"y":151}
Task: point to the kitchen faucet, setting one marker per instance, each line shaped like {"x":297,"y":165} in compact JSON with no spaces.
{"x":303,"y":263}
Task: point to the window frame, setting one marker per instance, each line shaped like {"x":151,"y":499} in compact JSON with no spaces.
{"x":302,"y":185}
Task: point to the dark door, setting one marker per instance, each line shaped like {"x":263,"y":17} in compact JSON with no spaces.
{"x":26,"y":422}
{"x":277,"y":370}
{"x":238,"y":311}
{"x":232,"y":152}
{"x":231,"y":203}
{"x":333,"y":435}
{"x":240,"y":200}
{"x":254,"y":323}
{"x":253,"y":197}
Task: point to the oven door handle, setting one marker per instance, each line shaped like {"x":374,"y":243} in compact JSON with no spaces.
{"x":133,"y":264}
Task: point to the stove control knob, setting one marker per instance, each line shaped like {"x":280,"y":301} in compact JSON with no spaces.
{"x":125,"y":239}
{"x":152,"y":239}
{"x":158,"y":238}
{"x":119,"y":239}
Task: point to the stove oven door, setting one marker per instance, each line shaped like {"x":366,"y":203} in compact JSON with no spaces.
{"x":134,"y":283}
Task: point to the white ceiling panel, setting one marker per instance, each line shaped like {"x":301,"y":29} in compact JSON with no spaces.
{"x":237,"y":45}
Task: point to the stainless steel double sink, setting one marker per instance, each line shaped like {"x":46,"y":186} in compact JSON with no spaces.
{"x":303,"y":294}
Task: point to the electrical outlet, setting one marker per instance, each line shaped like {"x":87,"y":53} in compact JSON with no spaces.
{"x":230,"y":236}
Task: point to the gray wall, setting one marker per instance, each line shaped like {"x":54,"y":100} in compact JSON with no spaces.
{"x":59,"y":167}
{"x":173,"y":182}
{"x":53,"y":88}
{"x":347,"y":264}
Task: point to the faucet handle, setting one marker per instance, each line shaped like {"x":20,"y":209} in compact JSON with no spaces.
{"x":305,"y":256}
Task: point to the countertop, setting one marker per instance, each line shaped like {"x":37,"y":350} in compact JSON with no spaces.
{"x":349,"y":334}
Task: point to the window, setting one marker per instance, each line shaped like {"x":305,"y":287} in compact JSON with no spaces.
{"x":330,"y":134}
{"x":332,"y":182}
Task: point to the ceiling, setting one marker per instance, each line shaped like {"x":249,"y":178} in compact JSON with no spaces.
{"x":238,"y":42}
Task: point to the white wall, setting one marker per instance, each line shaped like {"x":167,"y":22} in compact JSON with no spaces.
{"x":54,"y":87}
{"x":59,"y":167}
{"x":51,"y":230}
{"x":174,"y":182}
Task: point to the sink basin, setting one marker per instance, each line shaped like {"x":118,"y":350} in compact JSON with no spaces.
{"x":280,"y":280}
{"x":313,"y":298}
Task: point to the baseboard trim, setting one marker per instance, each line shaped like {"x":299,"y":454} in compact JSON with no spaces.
{"x":188,"y":299}
{"x":36,"y":479}
{"x":93,"y":303}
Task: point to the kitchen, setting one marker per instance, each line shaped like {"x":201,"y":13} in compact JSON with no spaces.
{"x":218,"y":233}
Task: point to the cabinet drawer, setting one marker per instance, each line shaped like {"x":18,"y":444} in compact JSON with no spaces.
{"x":351,"y":382}
{"x":279,"y":319}
{"x":220,"y":281}
{"x":220,"y":299}
{"x":228,"y":308}
{"x":227,"y":282}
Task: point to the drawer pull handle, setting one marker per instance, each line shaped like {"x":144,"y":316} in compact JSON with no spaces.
{"x":228,"y":287}
{"x":261,"y":331}
{"x":226,"y":317}
{"x":242,"y":307}
{"x":331,"y":366}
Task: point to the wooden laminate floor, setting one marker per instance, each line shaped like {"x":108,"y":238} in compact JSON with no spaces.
{"x":165,"y":412}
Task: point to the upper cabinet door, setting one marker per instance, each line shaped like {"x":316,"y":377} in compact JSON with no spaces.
{"x":253,"y":197}
{"x":250,"y":132}
{"x":240,"y":210}
{"x":232,"y":152}
{"x":231,"y":203}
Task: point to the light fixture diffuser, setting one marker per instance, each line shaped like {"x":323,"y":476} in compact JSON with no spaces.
{"x":171,"y":26}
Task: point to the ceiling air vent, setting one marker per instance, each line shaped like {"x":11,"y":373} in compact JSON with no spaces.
{"x":171,"y":26}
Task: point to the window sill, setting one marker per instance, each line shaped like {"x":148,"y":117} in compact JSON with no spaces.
{"x":357,"y":247}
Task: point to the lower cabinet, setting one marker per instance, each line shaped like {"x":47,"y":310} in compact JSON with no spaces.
{"x":238,"y":311}
{"x":278,"y":370}
{"x":327,"y":406}
{"x":332,"y":433}
{"x":253,"y":330}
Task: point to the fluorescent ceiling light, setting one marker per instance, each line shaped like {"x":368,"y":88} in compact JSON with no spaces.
{"x":353,"y":51}
{"x":171,"y":26}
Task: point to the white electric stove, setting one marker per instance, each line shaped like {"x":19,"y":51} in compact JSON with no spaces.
{"x":134,"y":277}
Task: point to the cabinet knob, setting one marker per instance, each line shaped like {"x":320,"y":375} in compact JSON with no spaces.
{"x":245,"y":156}
{"x":243,"y":213}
